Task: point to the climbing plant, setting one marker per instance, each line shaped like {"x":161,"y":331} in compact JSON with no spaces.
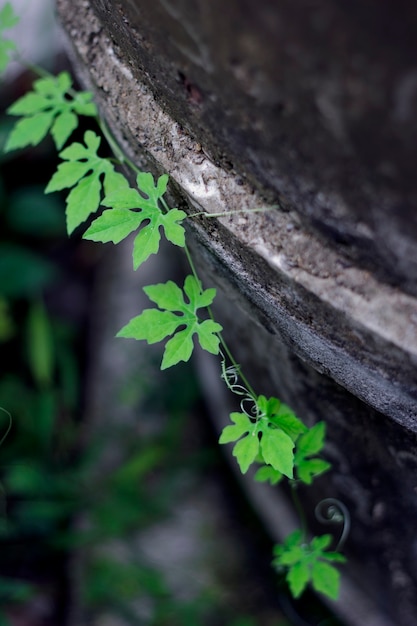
{"x":266,"y":434}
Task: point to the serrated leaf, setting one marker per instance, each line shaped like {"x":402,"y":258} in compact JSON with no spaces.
{"x":313,"y":440}
{"x":126,"y":198}
{"x":166,"y":295}
{"x":64,"y":125}
{"x":145,"y":244}
{"x":326,"y":579}
{"x":67,"y":175}
{"x":307,"y":469}
{"x":8,"y":18}
{"x":113,"y":182}
{"x":268,"y":474}
{"x":28,"y":104}
{"x":170,"y":297}
{"x":286,"y":419}
{"x":174,"y":232}
{"x":83,"y":200}
{"x":49,"y":97}
{"x":114,"y":225}
{"x":298,"y":578}
{"x":246,"y":451}
{"x":177,"y":349}
{"x":241,"y":425}
{"x":277,"y":450}
{"x":321,"y":543}
{"x":207,"y":336}
{"x":29,"y":131}
{"x":152,"y":325}
{"x":146,"y":184}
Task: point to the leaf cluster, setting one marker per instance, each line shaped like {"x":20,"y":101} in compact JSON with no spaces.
{"x":8,"y":19}
{"x":49,"y":107}
{"x":131,"y":209}
{"x":270,"y":437}
{"x":309,"y":563}
{"x":176,"y":318}
{"x":83,"y":170}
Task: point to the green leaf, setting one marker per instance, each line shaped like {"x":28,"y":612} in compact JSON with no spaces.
{"x":169,"y":297}
{"x":63,"y":127}
{"x":166,"y":295}
{"x":145,"y":244}
{"x":246,"y":451}
{"x":67,"y":175}
{"x":83,"y":200}
{"x":241,"y":425}
{"x":82,"y":170}
{"x":152,"y":325}
{"x":277,"y":450}
{"x":308,"y":469}
{"x":179,"y":348}
{"x":48,"y":105}
{"x":8,"y":19}
{"x":268,"y":474}
{"x":146,"y":184}
{"x":114,"y":225}
{"x":298,"y":578}
{"x":208,"y":337}
{"x":326,"y":579}
{"x":310,"y":443}
{"x":321,"y":543}
{"x":29,"y":131}
{"x":153,"y":218}
{"x":29,"y":104}
{"x":313,"y":440}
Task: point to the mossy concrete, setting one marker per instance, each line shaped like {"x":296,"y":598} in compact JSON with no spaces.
{"x":317,"y":125}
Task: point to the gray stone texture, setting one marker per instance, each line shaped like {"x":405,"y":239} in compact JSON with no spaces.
{"x":308,"y":108}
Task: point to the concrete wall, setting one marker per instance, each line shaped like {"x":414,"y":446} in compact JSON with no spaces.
{"x":308,"y":107}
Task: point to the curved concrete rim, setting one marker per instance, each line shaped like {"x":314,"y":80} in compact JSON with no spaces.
{"x":294,"y":283}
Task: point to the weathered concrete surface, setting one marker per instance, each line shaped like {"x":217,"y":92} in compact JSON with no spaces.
{"x":327,"y":279}
{"x":313,"y":101}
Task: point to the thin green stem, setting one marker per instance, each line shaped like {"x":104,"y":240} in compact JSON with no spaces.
{"x":299,"y":508}
{"x":227,"y":213}
{"x":115,"y":148}
{"x":222,"y":340}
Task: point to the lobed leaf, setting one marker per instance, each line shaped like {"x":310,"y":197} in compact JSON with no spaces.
{"x":152,"y":325}
{"x":307,"y":469}
{"x":266,"y":473}
{"x":241,"y":425}
{"x":49,"y":99}
{"x":326,"y":579}
{"x":298,"y":577}
{"x":185,"y":324}
{"x":208,"y":337}
{"x":63,"y":127}
{"x":179,"y":348}
{"x":246,"y":451}
{"x":313,"y":440}
{"x":29,"y":131}
{"x":277,"y":450}
{"x":113,"y":226}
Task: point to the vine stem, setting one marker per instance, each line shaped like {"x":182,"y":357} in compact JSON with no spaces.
{"x":220,"y":336}
{"x":299,"y":508}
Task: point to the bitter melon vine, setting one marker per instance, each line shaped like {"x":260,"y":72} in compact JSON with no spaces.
{"x":266,"y":433}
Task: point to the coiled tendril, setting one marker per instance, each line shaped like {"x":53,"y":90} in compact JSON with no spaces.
{"x":332,"y":511}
